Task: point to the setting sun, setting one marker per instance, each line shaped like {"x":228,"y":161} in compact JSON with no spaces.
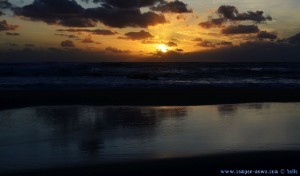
{"x":162,"y":47}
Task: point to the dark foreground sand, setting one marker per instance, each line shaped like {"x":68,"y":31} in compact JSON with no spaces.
{"x":201,"y":165}
{"x":146,"y":96}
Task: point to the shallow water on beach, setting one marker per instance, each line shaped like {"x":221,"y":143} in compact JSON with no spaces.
{"x":55,"y":136}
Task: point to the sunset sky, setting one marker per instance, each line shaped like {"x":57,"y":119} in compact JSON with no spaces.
{"x":149,"y":30}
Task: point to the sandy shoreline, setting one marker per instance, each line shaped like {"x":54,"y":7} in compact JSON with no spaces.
{"x":144,"y":96}
{"x":199,"y":165}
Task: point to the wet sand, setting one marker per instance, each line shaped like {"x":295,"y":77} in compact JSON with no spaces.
{"x":200,"y":165}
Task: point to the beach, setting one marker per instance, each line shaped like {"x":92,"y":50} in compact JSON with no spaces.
{"x":149,"y":139}
{"x":262,"y":161}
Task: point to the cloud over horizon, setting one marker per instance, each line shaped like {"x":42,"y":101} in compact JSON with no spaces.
{"x":172,"y":7}
{"x":151,"y":28}
{"x":119,"y":14}
{"x":240,"y":29}
{"x":67,"y":44}
{"x":95,"y":31}
{"x":141,"y":35}
{"x":4,"y":26}
{"x":228,"y":14}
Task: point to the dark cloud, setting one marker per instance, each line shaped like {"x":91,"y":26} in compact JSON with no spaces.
{"x":116,"y":50}
{"x":2,"y":13}
{"x":171,"y":44}
{"x":122,"y":18}
{"x":240,"y":29}
{"x":95,"y":31}
{"x":252,"y":51}
{"x":4,"y":26}
{"x":138,"y":35}
{"x":213,"y":22}
{"x":197,"y":40}
{"x":172,"y":7}
{"x":224,"y":43}
{"x":295,"y":39}
{"x":169,"y":55}
{"x":179,"y":50}
{"x":87,"y":39}
{"x":111,"y":13}
{"x":126,"y":4}
{"x":205,"y":43}
{"x":232,"y":13}
{"x":62,"y":12}
{"x":69,"y":36}
{"x":12,"y":33}
{"x":77,"y":22}
{"x":67,"y":44}
{"x":227,"y":13}
{"x":4,"y":4}
{"x":102,"y":32}
{"x":266,"y":35}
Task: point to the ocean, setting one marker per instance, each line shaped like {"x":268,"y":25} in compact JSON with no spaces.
{"x":85,"y":76}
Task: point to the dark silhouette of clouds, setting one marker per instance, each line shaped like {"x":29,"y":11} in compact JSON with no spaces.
{"x":213,"y":23}
{"x":78,"y":22}
{"x":295,"y":39}
{"x":197,"y":40}
{"x":240,"y":29}
{"x":141,"y":35}
{"x":116,"y":50}
{"x":232,"y":13}
{"x":4,"y":26}
{"x":266,"y":35}
{"x":252,"y":51}
{"x":227,"y":13}
{"x":95,"y":31}
{"x":113,"y":13}
{"x":12,"y":33}
{"x":2,"y":13}
{"x":87,"y":39}
{"x":205,"y":43}
{"x":69,"y":36}
{"x":224,"y":43}
{"x":172,"y":7}
{"x":126,"y":4}
{"x":121,"y":18}
{"x":4,"y":4}
{"x":63,"y":12}
{"x":171,"y":44}
{"x":67,"y":44}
